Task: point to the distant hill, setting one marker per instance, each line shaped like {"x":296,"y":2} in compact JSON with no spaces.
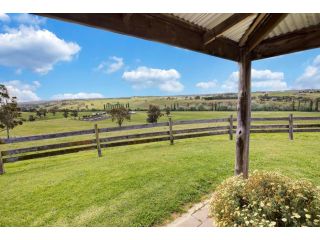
{"x":291,"y":100}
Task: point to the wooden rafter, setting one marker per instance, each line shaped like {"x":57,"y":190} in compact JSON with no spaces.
{"x":256,"y":22}
{"x":155,"y":27}
{"x":263,"y":29}
{"x":299,"y":40}
{"x":218,"y":30}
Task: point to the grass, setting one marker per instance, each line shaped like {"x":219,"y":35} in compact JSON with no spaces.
{"x":60,"y":124}
{"x":141,"y":185}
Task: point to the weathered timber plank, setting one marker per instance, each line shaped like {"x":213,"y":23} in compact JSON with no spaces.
{"x":133,"y":127}
{"x":268,"y":131}
{"x":205,"y":129}
{"x":47,"y":136}
{"x":48,"y":154}
{"x":132,"y":136}
{"x":307,"y":130}
{"x":269,"y":119}
{"x":206,"y":134}
{"x":257,"y":21}
{"x":47,"y":147}
{"x":231,"y":127}
{"x":288,"y":43}
{"x":269,"y":126}
{"x":170,"y":123}
{"x":290,"y":126}
{"x":306,"y":125}
{"x":243,"y":116}
{"x":200,"y":121}
{"x":1,"y":164}
{"x":306,"y":118}
{"x":133,"y":142}
{"x":218,"y":30}
{"x":96,"y":130}
{"x":155,"y":27}
{"x":263,"y":29}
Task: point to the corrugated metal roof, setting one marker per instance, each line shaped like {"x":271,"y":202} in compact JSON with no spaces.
{"x":235,"y":33}
{"x":295,"y":21}
{"x":204,"y":20}
{"x":207,"y":21}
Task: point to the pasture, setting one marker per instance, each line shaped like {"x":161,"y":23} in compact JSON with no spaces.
{"x":140,"y":185}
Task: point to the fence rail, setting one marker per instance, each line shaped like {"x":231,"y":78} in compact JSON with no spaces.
{"x":19,"y":154}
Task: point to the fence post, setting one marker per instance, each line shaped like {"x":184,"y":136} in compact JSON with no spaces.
{"x":97,"y":139}
{"x":170,"y":130}
{"x":231,"y":127}
{"x":1,"y":164}
{"x":291,"y":126}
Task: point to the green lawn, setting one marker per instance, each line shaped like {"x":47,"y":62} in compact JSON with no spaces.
{"x":140,"y":185}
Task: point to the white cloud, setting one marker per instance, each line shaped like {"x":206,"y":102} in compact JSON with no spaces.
{"x":144,"y":77}
{"x":112,"y":65}
{"x":80,"y":95}
{"x":34,"y":49}
{"x":23,"y":92}
{"x":29,"y":19}
{"x":265,"y":80}
{"x":4,"y":17}
{"x":310,"y":79}
{"x":207,"y":85}
{"x":231,"y":84}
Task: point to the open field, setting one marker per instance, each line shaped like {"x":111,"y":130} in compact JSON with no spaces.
{"x":60,"y":124}
{"x":141,"y":185}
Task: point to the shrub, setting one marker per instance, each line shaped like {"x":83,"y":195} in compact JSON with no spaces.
{"x":119,"y":115}
{"x":266,"y":199}
{"x":31,"y":118}
{"x":154,"y":113}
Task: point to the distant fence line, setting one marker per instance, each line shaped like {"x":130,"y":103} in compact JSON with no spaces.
{"x":98,"y":143}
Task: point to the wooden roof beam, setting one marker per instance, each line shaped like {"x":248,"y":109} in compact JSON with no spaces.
{"x":222,"y":27}
{"x":256,"y":22}
{"x":299,"y":40}
{"x":263,"y":29}
{"x":154,"y":27}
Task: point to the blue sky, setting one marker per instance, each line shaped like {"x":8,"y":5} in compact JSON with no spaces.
{"x":44,"y":59}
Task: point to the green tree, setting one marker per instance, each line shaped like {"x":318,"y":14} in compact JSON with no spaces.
{"x":65,"y":113}
{"x":31,"y":118}
{"x":119,"y":115}
{"x":9,"y":111}
{"x":74,"y":114}
{"x":167,"y":109}
{"x":154,"y":113}
{"x":53,"y":111}
{"x":43,"y":112}
{"x":39,"y":113}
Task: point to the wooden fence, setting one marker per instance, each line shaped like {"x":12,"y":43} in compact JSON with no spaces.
{"x":39,"y":151}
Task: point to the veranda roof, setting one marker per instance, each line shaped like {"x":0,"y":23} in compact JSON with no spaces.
{"x":219,"y":34}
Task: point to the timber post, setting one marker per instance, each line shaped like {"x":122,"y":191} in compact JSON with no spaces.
{"x":291,"y":126}
{"x":244,"y":115}
{"x":1,"y":164}
{"x":96,"y":130}
{"x":170,"y":123}
{"x":231,"y":127}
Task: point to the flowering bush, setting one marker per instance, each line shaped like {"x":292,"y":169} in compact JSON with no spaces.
{"x":266,"y":199}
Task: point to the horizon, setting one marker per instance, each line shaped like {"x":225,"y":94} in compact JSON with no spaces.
{"x":144,"y":96}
